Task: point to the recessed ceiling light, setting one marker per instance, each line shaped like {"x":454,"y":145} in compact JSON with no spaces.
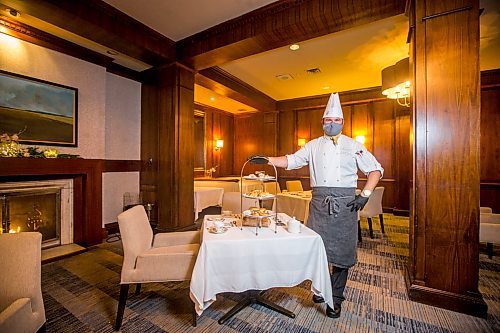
{"x":212,"y":99}
{"x":294,"y":47}
{"x":112,"y":52}
{"x":326,"y":87}
{"x":13,"y":12}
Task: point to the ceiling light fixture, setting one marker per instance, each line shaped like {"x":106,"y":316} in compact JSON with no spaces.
{"x":112,"y":52}
{"x":212,"y":98}
{"x":13,"y":12}
{"x":396,"y":82}
{"x":294,"y":47}
{"x":325,"y":87}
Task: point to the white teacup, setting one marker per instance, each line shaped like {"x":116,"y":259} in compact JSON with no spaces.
{"x":219,"y":225}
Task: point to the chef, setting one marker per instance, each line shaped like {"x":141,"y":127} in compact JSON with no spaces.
{"x":334,"y":160}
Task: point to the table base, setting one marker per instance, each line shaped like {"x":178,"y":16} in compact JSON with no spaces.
{"x":255,"y":297}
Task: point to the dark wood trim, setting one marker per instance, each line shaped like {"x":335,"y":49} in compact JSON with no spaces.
{"x":121,"y":165}
{"x":87,"y":184}
{"x":40,"y":38}
{"x":278,"y":24}
{"x":102,"y":23}
{"x":207,"y":108}
{"x":351,"y":97}
{"x":225,"y":84}
{"x":472,"y":304}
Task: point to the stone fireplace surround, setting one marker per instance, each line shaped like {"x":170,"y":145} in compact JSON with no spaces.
{"x":87,"y":188}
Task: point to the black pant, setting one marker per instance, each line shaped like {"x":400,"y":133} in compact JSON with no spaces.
{"x":338,"y":277}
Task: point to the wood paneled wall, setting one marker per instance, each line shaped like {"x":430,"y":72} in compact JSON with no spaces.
{"x":383,"y":123}
{"x":254,"y":134}
{"x":218,"y":125}
{"x":490,"y":138}
{"x":444,"y":222}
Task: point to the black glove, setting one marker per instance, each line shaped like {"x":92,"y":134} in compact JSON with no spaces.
{"x":258,"y":159}
{"x":358,"y":203}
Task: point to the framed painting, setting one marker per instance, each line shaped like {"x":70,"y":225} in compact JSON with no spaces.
{"x":41,"y":112}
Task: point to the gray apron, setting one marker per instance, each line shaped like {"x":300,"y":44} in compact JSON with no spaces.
{"x":335,"y":223}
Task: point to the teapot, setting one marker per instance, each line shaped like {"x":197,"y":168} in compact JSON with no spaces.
{"x":294,"y":226}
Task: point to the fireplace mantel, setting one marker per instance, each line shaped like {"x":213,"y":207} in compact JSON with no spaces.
{"x":87,"y":183}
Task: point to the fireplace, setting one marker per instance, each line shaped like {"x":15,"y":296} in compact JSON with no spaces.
{"x":42,"y":206}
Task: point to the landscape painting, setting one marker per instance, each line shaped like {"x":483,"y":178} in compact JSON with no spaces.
{"x":41,"y":112}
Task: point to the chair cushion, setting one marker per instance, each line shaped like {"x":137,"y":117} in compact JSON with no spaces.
{"x":176,"y":238}
{"x":169,"y":263}
{"x":18,"y":317}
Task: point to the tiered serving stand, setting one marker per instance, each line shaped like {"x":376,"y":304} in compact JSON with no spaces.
{"x":260,"y":199}
{"x":256,"y":296}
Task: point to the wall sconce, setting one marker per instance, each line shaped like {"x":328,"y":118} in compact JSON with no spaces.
{"x":360,"y":139}
{"x":396,"y":82}
{"x":301,"y":142}
{"x":219,"y":144}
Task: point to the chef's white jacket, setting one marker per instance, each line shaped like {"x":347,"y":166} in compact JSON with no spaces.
{"x":333,"y":165}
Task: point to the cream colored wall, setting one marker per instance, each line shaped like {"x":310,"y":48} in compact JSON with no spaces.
{"x":123,"y":141}
{"x":108,"y":110}
{"x":24,"y":58}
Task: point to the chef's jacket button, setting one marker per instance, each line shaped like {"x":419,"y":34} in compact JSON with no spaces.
{"x":338,"y":180}
{"x":324,"y":166}
{"x":324,"y":181}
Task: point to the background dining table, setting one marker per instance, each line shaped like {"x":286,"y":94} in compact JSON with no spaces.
{"x":206,"y":197}
{"x":294,"y":204}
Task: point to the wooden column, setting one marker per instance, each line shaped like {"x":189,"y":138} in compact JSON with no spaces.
{"x":167,"y":146}
{"x":445,"y":216}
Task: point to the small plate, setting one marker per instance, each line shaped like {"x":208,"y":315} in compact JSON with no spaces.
{"x":212,"y":230}
{"x":249,"y":214}
{"x":269,"y":196}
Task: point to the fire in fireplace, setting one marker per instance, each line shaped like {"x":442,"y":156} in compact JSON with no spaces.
{"x":37,"y":206}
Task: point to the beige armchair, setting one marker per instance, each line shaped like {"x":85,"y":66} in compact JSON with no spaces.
{"x":294,"y":185}
{"x":147,"y":258}
{"x":21,"y":303}
{"x":489,"y":231}
{"x":373,"y":208}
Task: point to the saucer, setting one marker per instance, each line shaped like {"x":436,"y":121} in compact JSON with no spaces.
{"x":212,"y":230}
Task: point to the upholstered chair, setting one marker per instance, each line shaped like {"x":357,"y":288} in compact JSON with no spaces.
{"x":21,"y":303}
{"x":233,"y":201}
{"x":489,"y":231}
{"x":373,"y":208}
{"x":294,"y":185}
{"x":147,"y":258}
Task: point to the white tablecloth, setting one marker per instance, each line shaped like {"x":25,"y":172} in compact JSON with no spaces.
{"x":294,"y":204}
{"x":238,"y":260}
{"x":206,"y":197}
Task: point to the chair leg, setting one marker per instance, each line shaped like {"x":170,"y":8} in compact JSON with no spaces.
{"x":489,"y":249}
{"x":381,"y":216}
{"x":195,"y":315}
{"x":359,"y":232}
{"x":121,"y":305}
{"x":370,"y":227}
{"x":137,"y":289}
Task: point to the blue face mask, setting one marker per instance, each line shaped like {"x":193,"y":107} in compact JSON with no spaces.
{"x":332,"y":129}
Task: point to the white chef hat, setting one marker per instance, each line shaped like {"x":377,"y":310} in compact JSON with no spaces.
{"x":333,"y":108}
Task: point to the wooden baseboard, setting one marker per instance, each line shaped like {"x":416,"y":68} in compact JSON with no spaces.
{"x":471,"y":304}
{"x":400,"y":212}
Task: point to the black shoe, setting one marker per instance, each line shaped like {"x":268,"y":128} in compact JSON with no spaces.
{"x":318,"y":299}
{"x":335,"y":312}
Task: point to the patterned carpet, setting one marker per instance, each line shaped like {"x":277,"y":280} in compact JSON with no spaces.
{"x":81,"y":295}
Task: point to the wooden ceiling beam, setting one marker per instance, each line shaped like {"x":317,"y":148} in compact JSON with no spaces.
{"x":103,"y":24}
{"x":279,"y":24}
{"x":230,"y":86}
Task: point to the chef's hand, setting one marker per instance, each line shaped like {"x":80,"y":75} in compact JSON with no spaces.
{"x":358,"y":203}
{"x":258,"y":159}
